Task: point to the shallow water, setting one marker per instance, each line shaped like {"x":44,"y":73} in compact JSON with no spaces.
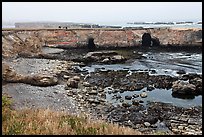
{"x":158,"y":95}
{"x":163,"y":63}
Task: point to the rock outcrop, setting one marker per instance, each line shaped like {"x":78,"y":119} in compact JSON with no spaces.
{"x":104,"y":57}
{"x":10,"y":75}
{"x":16,"y":41}
{"x":183,"y":87}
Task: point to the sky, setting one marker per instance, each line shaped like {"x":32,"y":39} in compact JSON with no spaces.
{"x":101,"y":12}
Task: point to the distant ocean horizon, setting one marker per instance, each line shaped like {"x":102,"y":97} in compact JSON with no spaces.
{"x":137,"y":24}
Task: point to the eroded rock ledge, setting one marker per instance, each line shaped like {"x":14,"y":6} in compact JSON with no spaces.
{"x":31,"y":40}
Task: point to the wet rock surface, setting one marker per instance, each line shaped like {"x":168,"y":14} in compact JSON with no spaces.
{"x":77,"y":91}
{"x":104,"y":57}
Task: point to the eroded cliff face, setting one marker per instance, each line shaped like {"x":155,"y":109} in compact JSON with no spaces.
{"x":31,"y":40}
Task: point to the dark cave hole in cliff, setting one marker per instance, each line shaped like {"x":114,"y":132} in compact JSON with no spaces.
{"x":155,"y":42}
{"x":91,"y":45}
{"x":146,"y":40}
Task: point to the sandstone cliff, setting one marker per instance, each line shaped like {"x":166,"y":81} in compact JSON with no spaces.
{"x":31,"y":40}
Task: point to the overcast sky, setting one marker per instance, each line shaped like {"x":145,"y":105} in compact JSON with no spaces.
{"x":94,"y":12}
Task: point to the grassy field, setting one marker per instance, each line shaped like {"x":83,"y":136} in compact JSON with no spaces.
{"x":47,"y":122}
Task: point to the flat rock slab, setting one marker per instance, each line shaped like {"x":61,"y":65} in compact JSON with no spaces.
{"x":53,"y":97}
{"x":48,"y":50}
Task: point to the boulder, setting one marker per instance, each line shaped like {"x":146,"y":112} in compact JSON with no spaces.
{"x":183,"y":87}
{"x":9,"y":74}
{"x":143,"y":95}
{"x":117,"y":58}
{"x":103,"y":57}
{"x":41,"y":80}
{"x":73,"y":83}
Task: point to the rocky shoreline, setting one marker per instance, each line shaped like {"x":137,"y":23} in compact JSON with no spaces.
{"x":36,"y":82}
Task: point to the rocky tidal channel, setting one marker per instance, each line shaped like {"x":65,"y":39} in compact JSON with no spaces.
{"x":149,"y":90}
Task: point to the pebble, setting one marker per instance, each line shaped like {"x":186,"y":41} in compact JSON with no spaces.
{"x":141,"y":101}
{"x":109,"y":91}
{"x":66,"y":76}
{"x":135,"y":95}
{"x":143,"y":95}
{"x":147,"y":124}
{"x":180,"y":127}
{"x":94,"y":92}
{"x":55,"y":92}
{"x":128,"y":97}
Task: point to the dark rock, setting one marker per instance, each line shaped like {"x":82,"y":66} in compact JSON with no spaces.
{"x":135,"y":102}
{"x":196,"y":81}
{"x":150,"y":88}
{"x":128,"y":97}
{"x":121,"y":100}
{"x":72,"y":83}
{"x":153,"y":71}
{"x":182,"y":87}
{"x":125,"y":104}
{"x":140,"y":101}
{"x":118,"y":96}
{"x":121,"y":91}
{"x":136,"y":108}
{"x":139,"y":87}
{"x":135,"y":95}
{"x":104,"y":57}
{"x":151,"y":119}
{"x":181,"y":72}
{"x":155,"y":41}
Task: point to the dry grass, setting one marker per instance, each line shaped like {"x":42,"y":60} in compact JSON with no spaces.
{"x":47,"y":122}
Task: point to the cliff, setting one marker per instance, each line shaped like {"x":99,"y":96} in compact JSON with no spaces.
{"x":31,"y":40}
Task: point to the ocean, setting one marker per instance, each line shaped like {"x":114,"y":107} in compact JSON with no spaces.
{"x":147,"y":25}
